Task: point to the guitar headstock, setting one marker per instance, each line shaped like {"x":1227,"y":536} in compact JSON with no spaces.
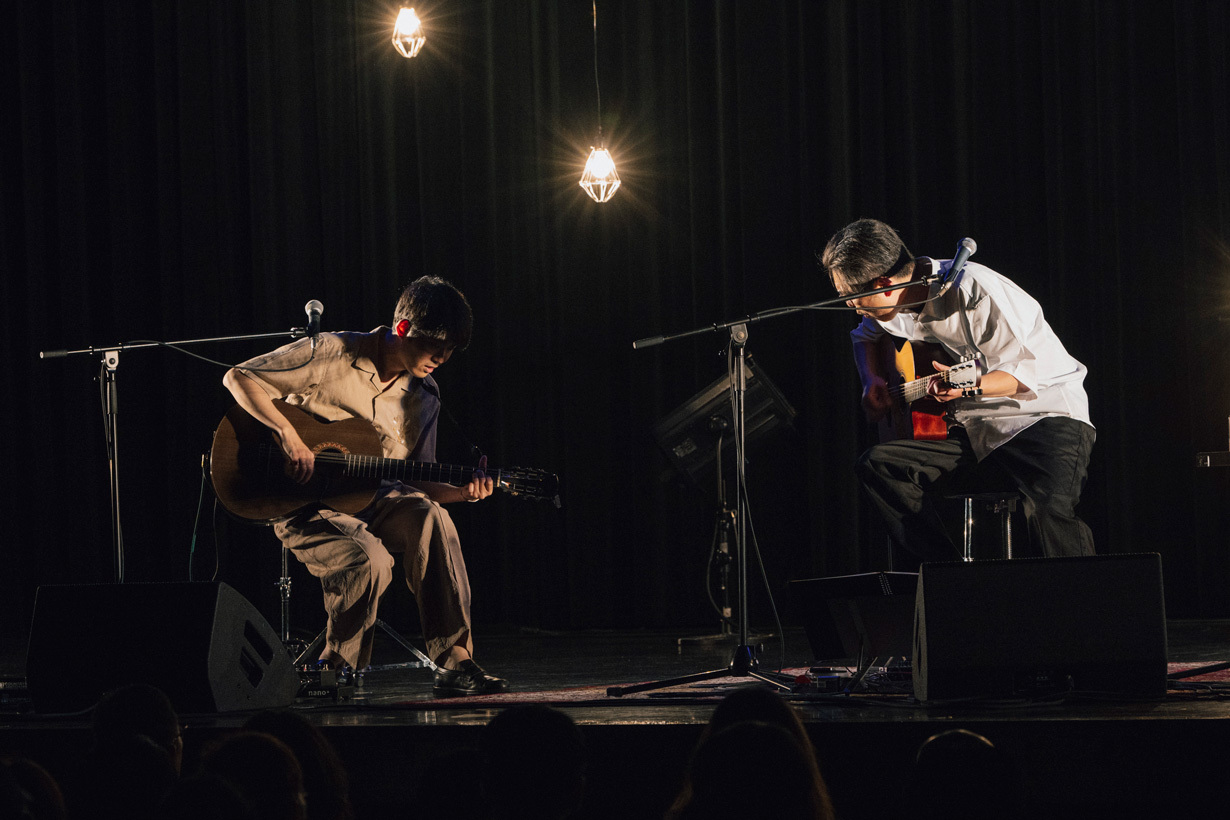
{"x":965,"y":374}
{"x":537,"y":484}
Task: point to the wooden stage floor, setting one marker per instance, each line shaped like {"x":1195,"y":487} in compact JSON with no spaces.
{"x":1080,"y":756}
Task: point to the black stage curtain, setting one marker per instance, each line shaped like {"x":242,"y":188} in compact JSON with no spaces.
{"x":198,"y":168}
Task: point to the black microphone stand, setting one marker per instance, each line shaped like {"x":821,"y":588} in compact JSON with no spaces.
{"x":743,"y":661}
{"x":110,"y":359}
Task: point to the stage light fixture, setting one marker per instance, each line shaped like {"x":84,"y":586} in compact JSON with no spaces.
{"x":600,"y":179}
{"x":408,"y":35}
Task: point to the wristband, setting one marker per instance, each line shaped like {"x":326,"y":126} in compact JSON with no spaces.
{"x":970,"y":392}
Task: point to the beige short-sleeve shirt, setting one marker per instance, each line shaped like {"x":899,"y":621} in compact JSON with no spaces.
{"x":341,"y":381}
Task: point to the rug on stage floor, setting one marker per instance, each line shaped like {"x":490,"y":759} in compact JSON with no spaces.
{"x":710,"y":692}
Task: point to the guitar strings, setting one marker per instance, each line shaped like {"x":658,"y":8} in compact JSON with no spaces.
{"x":898,"y":391}
{"x":357,"y":463}
{"x":514,"y":480}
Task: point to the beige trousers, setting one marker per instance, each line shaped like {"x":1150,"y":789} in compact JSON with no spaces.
{"x":352,"y":557}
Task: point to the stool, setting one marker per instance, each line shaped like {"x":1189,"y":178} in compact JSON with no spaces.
{"x":1003,"y":503}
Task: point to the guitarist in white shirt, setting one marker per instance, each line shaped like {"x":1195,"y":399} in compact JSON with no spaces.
{"x":1026,"y":423}
{"x":384,"y":377}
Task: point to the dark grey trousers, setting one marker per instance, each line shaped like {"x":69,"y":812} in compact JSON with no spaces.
{"x":1047,"y":463}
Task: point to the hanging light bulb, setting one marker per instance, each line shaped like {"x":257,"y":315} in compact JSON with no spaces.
{"x":408,"y":35}
{"x":600,"y":179}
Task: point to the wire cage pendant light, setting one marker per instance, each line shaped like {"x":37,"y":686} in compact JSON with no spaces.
{"x":600,"y":179}
{"x":408,"y":35}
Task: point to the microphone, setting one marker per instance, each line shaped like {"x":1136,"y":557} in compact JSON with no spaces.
{"x":967,"y":249}
{"x":313,"y":309}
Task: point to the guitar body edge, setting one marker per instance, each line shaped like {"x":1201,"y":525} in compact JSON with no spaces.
{"x":246,"y":466}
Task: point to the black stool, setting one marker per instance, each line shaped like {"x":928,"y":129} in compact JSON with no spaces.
{"x":1002,"y":503}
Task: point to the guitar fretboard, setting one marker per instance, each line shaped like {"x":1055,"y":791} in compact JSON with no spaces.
{"x":395,"y":468}
{"x":963,"y":374}
{"x":380,"y":467}
{"x":910,"y":392}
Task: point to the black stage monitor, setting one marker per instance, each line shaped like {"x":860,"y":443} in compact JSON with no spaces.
{"x":1093,"y":624}
{"x":689,"y":435}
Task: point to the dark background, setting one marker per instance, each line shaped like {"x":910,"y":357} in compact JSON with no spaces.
{"x":182,"y":169}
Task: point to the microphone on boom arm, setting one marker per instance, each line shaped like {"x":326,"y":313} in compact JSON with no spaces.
{"x":967,"y":249}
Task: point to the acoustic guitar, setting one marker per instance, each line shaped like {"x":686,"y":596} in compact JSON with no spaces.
{"x":909,"y":369}
{"x":249,"y":474}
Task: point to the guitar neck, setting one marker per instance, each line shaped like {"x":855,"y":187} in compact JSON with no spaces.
{"x":915,"y":390}
{"x":912,"y":391}
{"x":400,"y":469}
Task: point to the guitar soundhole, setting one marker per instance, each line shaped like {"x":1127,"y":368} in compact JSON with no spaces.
{"x":330,"y":467}
{"x":330,"y":447}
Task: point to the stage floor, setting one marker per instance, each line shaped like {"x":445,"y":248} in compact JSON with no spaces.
{"x":1101,"y":757}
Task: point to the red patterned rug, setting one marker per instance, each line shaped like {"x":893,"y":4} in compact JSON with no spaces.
{"x":1208,"y":672}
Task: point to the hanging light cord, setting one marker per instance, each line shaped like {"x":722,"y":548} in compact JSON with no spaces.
{"x":597,"y":88}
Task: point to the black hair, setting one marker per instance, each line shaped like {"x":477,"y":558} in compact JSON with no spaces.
{"x":862,"y":251}
{"x":436,"y":309}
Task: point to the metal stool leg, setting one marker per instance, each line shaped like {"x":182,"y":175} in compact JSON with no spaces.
{"x":968,"y":546}
{"x":1000,"y":503}
{"x":1005,"y":517}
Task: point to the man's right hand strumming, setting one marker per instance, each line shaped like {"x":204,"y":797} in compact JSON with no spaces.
{"x":300,"y":461}
{"x":876,"y":402}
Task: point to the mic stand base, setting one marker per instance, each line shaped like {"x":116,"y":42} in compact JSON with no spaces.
{"x":725,"y":636}
{"x":742,"y":665}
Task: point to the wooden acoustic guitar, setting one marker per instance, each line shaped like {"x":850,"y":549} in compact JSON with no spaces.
{"x":909,"y":369}
{"x":249,"y":475}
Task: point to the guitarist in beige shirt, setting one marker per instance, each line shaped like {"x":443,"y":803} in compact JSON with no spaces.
{"x":384,"y":377}
{"x":1023,"y":424}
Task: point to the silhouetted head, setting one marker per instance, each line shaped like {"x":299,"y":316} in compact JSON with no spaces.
{"x":535,"y":761}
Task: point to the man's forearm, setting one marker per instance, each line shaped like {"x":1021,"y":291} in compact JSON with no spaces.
{"x":440,"y":493}
{"x":998,"y":384}
{"x":867,"y":362}
{"x":252,"y":397}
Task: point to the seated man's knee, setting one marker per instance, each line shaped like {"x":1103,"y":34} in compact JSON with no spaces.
{"x":870,"y":463}
{"x":419,"y":510}
{"x":377,"y":563}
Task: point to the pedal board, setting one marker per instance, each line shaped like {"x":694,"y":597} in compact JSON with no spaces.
{"x":323,"y":684}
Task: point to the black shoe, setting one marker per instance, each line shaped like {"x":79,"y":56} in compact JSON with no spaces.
{"x":470,"y":679}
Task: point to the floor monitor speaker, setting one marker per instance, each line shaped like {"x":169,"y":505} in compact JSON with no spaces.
{"x":205,"y":645}
{"x":1035,"y":625}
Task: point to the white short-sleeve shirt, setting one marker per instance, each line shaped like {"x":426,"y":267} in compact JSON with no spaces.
{"x":987,"y":315}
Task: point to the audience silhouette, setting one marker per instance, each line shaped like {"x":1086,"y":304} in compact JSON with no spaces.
{"x":135,"y":758}
{"x":326,"y":783}
{"x":263,"y":770}
{"x":741,"y":724}
{"x":27,"y":790}
{"x":139,"y":709}
{"x":206,"y":796}
{"x":534,"y":764}
{"x":753,"y":769}
{"x":960,"y":774}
